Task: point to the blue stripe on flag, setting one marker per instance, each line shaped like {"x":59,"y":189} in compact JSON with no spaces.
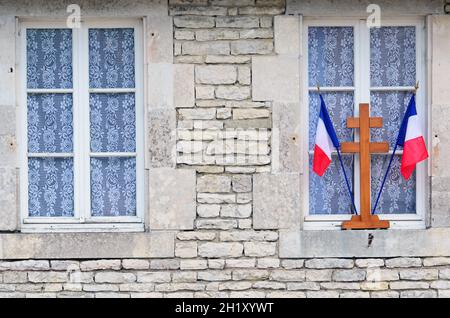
{"x":410,"y":111}
{"x":328,"y":124}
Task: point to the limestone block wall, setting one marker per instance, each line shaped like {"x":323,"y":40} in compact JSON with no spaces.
{"x":225,"y":135}
{"x":255,"y":276}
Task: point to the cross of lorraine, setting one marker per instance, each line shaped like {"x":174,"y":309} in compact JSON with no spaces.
{"x":365,"y":148}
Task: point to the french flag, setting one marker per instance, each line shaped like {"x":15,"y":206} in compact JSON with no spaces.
{"x":411,"y":139}
{"x":326,"y":141}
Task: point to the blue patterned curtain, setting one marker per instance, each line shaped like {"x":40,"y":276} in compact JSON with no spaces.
{"x":49,"y":58}
{"x":111,"y":58}
{"x":393,"y":56}
{"x":113,"y":122}
{"x":331,"y":63}
{"x":331,"y":56}
{"x":50,"y":187}
{"x":113,"y":186}
{"x":50,"y":127}
{"x":392,"y":63}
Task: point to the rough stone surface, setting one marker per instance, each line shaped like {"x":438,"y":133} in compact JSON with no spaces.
{"x":276,"y":78}
{"x":216,"y":75}
{"x":276,"y":206}
{"x":159,"y":39}
{"x":213,"y":184}
{"x":172,"y":191}
{"x":287,"y":35}
{"x":334,"y":9}
{"x":162,"y":143}
{"x":213,"y":250}
{"x":8,"y":199}
{"x":184,"y":91}
{"x":286,"y":140}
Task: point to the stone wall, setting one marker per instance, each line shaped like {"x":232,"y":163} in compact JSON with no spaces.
{"x":224,"y":170}
{"x":255,"y":276}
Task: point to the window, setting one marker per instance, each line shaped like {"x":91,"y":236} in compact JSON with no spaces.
{"x":354,"y":64}
{"x":83,"y":109}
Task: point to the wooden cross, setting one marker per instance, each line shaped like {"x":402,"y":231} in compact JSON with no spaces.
{"x":364,"y":147}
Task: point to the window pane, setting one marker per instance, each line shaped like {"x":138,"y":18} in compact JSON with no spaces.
{"x":113,"y":186}
{"x":329,"y":194}
{"x":50,"y":123}
{"x":399,"y":195}
{"x":113,"y":123}
{"x":392,"y":107}
{"x":331,"y":56}
{"x":50,"y":187}
{"x":393,"y":56}
{"x":340,"y":106}
{"x":111,"y":58}
{"x":49,"y":58}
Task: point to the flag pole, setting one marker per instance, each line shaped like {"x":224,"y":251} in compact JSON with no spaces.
{"x":346,"y":180}
{"x":384,"y":179}
{"x":350,"y":192}
{"x":389,"y":166}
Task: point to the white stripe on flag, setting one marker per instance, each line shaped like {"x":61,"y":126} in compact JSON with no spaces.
{"x":323,"y":140}
{"x":413,"y":130}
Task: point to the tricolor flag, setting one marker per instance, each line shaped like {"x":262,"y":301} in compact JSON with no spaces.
{"x":326,"y":141}
{"x":411,"y":139}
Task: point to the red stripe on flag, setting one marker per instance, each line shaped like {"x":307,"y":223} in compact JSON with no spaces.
{"x":414,"y":152}
{"x":321,"y":161}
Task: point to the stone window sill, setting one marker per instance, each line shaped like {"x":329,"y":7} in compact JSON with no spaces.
{"x":157,"y":244}
{"x":82,"y":228}
{"x":349,"y":244}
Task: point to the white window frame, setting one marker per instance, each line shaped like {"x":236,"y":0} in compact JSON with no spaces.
{"x":82,"y":221}
{"x":362,"y":91}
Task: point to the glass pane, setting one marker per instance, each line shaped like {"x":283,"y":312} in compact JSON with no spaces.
{"x":113,"y":186}
{"x":113,"y":123}
{"x":393,"y":56}
{"x":50,"y":123}
{"x":392,"y":107}
{"x":49,"y":58}
{"x":50,"y":187}
{"x":399,"y":195}
{"x":331,"y":56}
{"x":111,"y":58}
{"x":340,"y":106}
{"x":329,"y":194}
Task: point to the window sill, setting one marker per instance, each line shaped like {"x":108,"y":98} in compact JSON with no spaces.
{"x":157,"y":244}
{"x":334,"y":222}
{"x":82,"y":228}
{"x":349,"y":244}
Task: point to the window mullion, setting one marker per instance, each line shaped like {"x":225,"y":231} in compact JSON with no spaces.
{"x":84,"y":124}
{"x":362,"y":95}
{"x":76,"y":124}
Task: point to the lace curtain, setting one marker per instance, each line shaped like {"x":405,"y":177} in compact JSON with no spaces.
{"x":113,"y":122}
{"x":392,"y":63}
{"x":49,"y":116}
{"x":50,"y":123}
